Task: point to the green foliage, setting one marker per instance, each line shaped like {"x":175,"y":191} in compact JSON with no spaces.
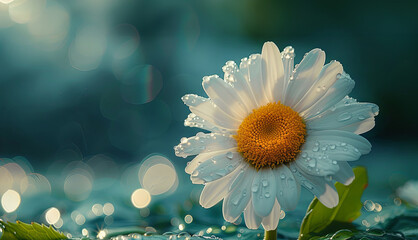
{"x":34,"y":231}
{"x":319,"y":218}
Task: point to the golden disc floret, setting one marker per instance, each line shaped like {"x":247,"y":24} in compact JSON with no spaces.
{"x":271,"y":135}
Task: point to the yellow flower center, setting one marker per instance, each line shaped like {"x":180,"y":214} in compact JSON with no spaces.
{"x":271,"y":135}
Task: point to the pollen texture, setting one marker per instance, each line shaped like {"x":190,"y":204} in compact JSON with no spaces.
{"x":271,"y":135}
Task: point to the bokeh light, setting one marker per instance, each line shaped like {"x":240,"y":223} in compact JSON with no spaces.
{"x":126,"y":41}
{"x":87,"y":49}
{"x":6,"y":1}
{"x":77,"y":186}
{"x":140,"y":198}
{"x":6,"y":180}
{"x":97,"y":209}
{"x":141,"y":84}
{"x":52,"y":215}
{"x":157,"y":175}
{"x":108,"y":209}
{"x":33,"y":184}
{"x":5,"y":20}
{"x":80,"y":219}
{"x":51,"y":28}
{"x":10,"y":201}
{"x":16,"y":172}
{"x":59,"y":223}
{"x":22,"y":11}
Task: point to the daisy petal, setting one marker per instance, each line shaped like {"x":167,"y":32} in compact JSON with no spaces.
{"x":345,"y":175}
{"x":263,"y":191}
{"x":202,"y":143}
{"x":234,"y":76}
{"x":288,"y":189}
{"x":288,"y":57}
{"x":251,"y":69}
{"x":224,"y":96}
{"x":252,"y":221}
{"x":271,"y":221}
{"x":207,"y":110}
{"x":316,"y":163}
{"x":361,"y":126}
{"x":273,"y":72}
{"x":304,"y":77}
{"x":192,"y":165}
{"x":216,"y":167}
{"x":326,"y":79}
{"x":347,"y":117}
{"x":326,"y":193}
{"x":239,"y":195}
{"x":340,"y":138}
{"x":338,"y":91}
{"x":195,"y":121}
{"x":215,"y":191}
{"x":328,"y":151}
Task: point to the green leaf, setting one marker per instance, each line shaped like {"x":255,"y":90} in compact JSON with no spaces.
{"x":318,"y":217}
{"x":34,"y":231}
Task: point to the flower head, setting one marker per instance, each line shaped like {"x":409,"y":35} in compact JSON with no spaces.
{"x":274,"y":128}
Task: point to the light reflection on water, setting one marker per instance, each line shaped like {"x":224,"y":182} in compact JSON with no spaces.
{"x":115,"y":207}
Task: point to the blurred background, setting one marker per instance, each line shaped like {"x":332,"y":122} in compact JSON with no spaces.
{"x":90,"y":92}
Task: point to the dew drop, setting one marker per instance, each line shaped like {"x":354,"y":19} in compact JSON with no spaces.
{"x":183,"y":140}
{"x":361,"y":117}
{"x":229,"y":155}
{"x":312,"y":163}
{"x":282,"y":176}
{"x":377,"y":207}
{"x":344,"y":117}
{"x":369,"y":205}
{"x":265,"y":183}
{"x":304,"y":154}
{"x":332,"y":146}
{"x":254,"y":188}
{"x":267,"y":195}
{"x":282,"y":214}
{"x":315,"y":149}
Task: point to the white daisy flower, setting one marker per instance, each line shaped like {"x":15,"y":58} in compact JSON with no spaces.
{"x":274,"y":128}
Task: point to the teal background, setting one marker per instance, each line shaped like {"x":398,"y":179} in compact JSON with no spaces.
{"x":106,"y":77}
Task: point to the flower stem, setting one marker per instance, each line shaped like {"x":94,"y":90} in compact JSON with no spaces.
{"x":270,"y":235}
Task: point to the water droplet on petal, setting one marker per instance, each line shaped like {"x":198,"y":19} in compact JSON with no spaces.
{"x":344,"y":117}
{"x":312,"y":163}
{"x":361,"y":117}
{"x":229,"y":155}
